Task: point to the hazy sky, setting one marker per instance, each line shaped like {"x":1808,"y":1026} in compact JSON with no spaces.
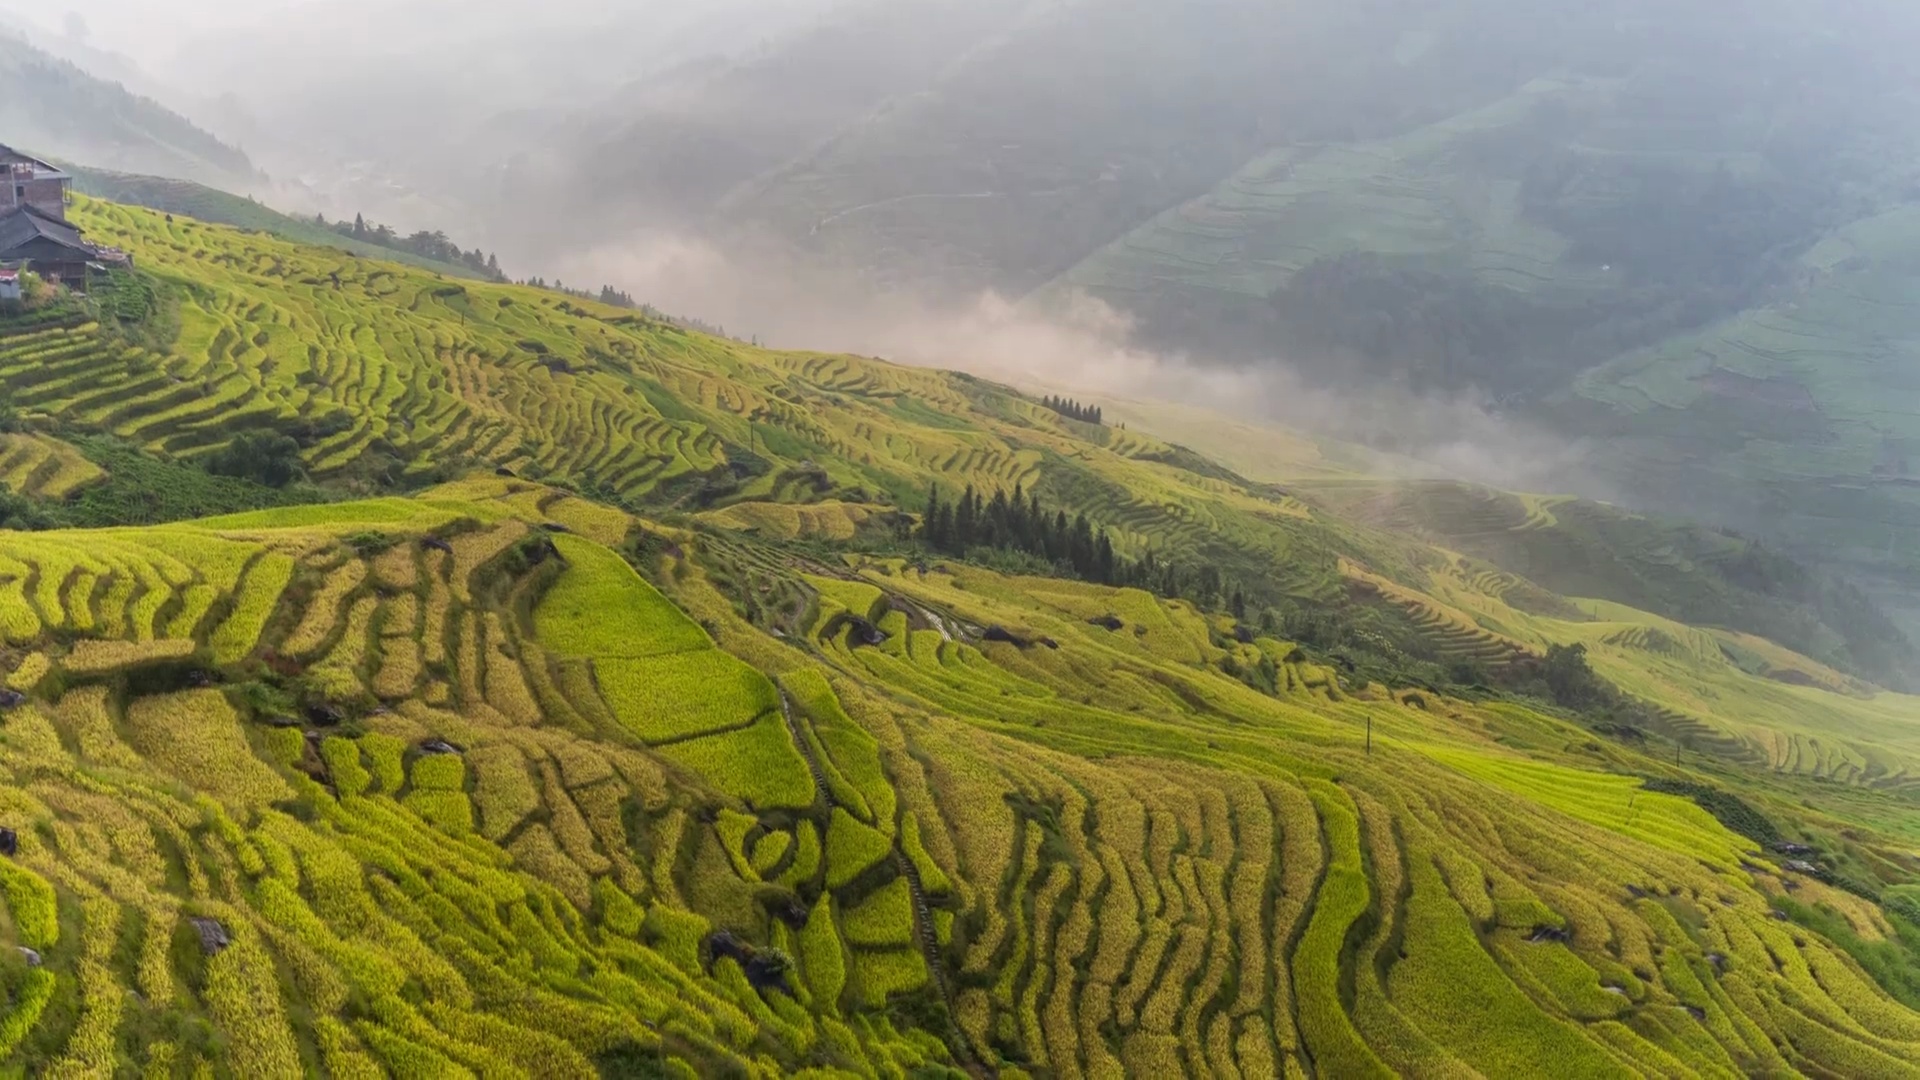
{"x":192,"y":42}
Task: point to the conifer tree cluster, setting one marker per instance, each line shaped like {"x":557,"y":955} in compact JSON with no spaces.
{"x":426,"y":244}
{"x":1074,"y":545}
{"x":1073,"y":410}
{"x":1019,"y":523}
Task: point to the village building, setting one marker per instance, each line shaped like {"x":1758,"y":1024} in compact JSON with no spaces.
{"x":33,"y":182}
{"x":34,"y":230}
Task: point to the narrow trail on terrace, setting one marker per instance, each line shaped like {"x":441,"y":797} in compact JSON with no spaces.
{"x":922,"y":913}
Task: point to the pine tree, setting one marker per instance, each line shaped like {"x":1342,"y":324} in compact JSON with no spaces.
{"x":1103,"y":570}
{"x":932,"y":528}
{"x":964,"y":520}
{"x":359,"y":226}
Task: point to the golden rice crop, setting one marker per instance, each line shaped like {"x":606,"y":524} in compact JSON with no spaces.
{"x":196,"y":736}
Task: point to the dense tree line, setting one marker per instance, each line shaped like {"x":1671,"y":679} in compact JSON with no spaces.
{"x":1074,"y":546}
{"x":434,"y":245}
{"x":1073,"y":410}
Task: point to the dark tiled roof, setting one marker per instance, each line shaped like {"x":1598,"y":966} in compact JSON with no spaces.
{"x":45,"y":170}
{"x":27,"y":224}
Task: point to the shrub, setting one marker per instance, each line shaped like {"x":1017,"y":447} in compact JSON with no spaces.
{"x":264,"y":457}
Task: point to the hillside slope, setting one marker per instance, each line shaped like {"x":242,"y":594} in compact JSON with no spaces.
{"x":51,"y":107}
{"x":218,"y":207}
{"x":467,"y":780}
{"x":559,"y":805}
{"x":1682,"y":237}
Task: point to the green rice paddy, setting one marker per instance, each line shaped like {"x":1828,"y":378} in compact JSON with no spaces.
{"x":469,"y":781}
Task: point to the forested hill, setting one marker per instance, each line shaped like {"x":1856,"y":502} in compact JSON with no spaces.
{"x":591,"y":697}
{"x":52,"y":108}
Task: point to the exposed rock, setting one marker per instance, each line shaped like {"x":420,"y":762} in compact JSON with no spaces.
{"x":326,"y":715}
{"x":1243,"y":635}
{"x":767,"y":970}
{"x":213,"y":936}
{"x":1108,"y":622}
{"x":506,"y":472}
{"x":1695,"y":1011}
{"x":201,"y":678}
{"x":1787,"y":848}
{"x":439,"y":748}
{"x":861,"y":632}
{"x":32,"y":957}
{"x":556,"y":527}
{"x":283,"y":721}
{"x":1801,"y":866}
{"x":434,"y":543}
{"x":1615,"y":990}
{"x":792,"y":912}
{"x":1050,"y":643}
{"x":9,"y":843}
{"x":1006,"y":636}
{"x":1544,"y":934}
{"x":12,"y":699}
{"x":725,"y":944}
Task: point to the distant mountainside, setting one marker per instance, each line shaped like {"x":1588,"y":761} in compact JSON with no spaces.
{"x":51,"y":107}
{"x":1687,"y":238}
{"x":671,"y":145}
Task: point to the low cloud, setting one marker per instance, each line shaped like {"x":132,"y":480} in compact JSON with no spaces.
{"x":1079,"y":344}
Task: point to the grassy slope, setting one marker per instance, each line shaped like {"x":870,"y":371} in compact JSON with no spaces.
{"x":1206,"y":874}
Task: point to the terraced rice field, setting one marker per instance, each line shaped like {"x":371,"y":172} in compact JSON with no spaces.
{"x":1410,"y":195}
{"x":472,"y":782}
{"x":1099,"y":857}
{"x":1187,"y":868}
{"x":45,"y":467}
{"x":370,"y":364}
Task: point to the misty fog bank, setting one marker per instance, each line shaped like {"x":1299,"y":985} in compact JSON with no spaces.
{"x":902,"y":177}
{"x":1084,"y":346}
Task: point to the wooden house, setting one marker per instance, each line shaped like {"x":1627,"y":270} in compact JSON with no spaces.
{"x":33,"y":182}
{"x":34,"y":230}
